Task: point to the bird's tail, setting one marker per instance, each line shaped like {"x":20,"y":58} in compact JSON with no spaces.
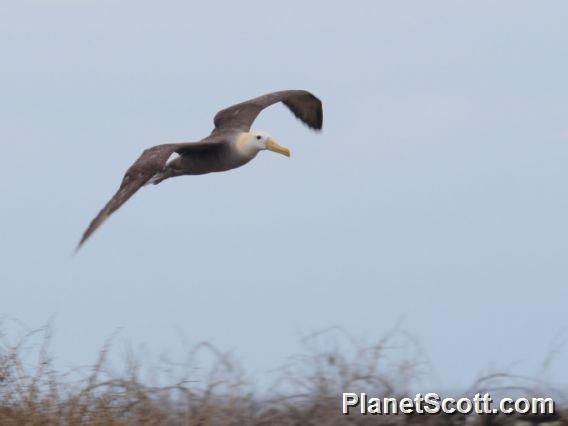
{"x":161,"y":176}
{"x":156,"y":179}
{"x":170,"y":170}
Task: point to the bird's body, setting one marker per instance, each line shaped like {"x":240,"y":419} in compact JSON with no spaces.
{"x":221,"y":152}
{"x":223,"y":158}
{"x":231,"y":144}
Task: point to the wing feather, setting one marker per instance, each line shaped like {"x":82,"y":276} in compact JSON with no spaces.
{"x":303,"y":105}
{"x":148,"y":164}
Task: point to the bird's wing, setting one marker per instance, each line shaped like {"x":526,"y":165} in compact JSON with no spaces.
{"x":303,"y":104}
{"x":148,"y":164}
{"x":152,"y":161}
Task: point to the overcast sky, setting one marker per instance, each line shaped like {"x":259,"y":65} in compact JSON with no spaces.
{"x":435,"y":197}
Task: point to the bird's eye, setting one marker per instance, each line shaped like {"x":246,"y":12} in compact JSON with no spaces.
{"x":259,"y":137}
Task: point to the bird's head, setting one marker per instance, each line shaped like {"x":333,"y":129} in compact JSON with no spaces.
{"x":260,"y":141}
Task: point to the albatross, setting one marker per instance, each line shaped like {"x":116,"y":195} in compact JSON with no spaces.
{"x":231,"y":144}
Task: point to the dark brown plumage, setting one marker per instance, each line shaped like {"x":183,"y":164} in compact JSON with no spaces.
{"x":229,"y":145}
{"x":303,"y":104}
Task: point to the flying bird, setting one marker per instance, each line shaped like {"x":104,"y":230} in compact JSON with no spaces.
{"x":231,"y":144}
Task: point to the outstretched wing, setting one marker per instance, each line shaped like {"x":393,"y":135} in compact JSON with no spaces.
{"x":148,"y":164}
{"x":303,"y":104}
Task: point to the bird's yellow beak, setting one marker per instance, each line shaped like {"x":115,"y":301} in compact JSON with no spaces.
{"x":271,"y":145}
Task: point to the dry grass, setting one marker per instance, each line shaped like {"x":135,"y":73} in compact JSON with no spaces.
{"x":308,"y":388}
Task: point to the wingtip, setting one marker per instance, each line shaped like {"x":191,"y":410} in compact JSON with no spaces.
{"x":77,"y":248}
{"x":318,"y":126}
{"x":317,"y":123}
{"x":82,"y":241}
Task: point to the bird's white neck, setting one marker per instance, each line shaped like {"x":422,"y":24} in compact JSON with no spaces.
{"x":245,"y":145}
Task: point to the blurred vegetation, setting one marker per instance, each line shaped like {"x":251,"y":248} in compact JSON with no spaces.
{"x":210,"y":388}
